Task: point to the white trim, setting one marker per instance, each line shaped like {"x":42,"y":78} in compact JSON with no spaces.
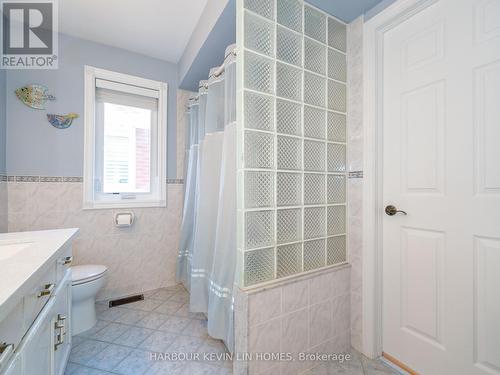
{"x":91,"y":74}
{"x":373,"y":34}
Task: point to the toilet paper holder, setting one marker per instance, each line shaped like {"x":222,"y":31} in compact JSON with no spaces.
{"x":124,"y":219}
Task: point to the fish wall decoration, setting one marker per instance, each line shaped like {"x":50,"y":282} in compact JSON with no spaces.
{"x":61,"y":121}
{"x":34,"y":95}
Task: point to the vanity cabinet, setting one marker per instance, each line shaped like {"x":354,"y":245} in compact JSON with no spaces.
{"x":46,"y":347}
{"x":37,"y":333}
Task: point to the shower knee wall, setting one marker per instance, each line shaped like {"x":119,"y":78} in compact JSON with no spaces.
{"x":306,"y":314}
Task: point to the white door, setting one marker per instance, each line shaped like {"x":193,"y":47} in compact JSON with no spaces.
{"x":441,"y":144}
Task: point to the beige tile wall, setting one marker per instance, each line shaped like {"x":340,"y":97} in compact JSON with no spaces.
{"x":3,"y":207}
{"x":310,"y":313}
{"x":139,"y":258}
{"x":355,"y":164}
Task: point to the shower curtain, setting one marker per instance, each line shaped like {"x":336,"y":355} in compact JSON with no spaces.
{"x":207,"y":253}
{"x":220,"y":306}
{"x":186,"y":238}
{"x":191,"y":196}
{"x":208,"y":194}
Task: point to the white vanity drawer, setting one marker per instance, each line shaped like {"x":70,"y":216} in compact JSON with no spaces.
{"x":11,"y":333}
{"x":63,"y":263}
{"x":39,"y":295}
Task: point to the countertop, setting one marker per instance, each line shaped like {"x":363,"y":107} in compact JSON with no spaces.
{"x":19,"y":271}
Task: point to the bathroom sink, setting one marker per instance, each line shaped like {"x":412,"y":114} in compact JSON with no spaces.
{"x":9,"y":249}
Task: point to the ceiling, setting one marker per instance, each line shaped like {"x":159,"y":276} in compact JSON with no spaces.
{"x":155,"y":28}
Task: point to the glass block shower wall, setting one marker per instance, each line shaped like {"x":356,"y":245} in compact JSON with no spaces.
{"x":292,"y":139}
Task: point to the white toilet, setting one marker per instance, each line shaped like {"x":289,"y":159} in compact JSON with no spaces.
{"x":87,"y":281}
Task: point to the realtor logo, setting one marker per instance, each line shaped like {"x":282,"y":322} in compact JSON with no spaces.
{"x":29,"y":34}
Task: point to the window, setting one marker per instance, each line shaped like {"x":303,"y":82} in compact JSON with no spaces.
{"x":125,"y":140}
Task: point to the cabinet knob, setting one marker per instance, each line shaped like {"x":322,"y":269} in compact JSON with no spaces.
{"x":66,"y":260}
{"x":47,"y":291}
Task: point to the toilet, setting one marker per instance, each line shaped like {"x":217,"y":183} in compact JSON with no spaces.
{"x":87,"y":280}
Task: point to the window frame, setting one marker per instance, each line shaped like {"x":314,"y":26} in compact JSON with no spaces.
{"x":90,"y":198}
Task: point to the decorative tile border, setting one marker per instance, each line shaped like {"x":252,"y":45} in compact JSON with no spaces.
{"x":6,"y":178}
{"x":175,"y":181}
{"x":72,"y":179}
{"x":356,"y":174}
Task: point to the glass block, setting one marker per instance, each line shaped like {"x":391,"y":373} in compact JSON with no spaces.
{"x":314,"y":56}
{"x":337,"y":128}
{"x":289,"y":259}
{"x":314,"y":122}
{"x":289,"y":189}
{"x":259,"y":266}
{"x":336,"y":250}
{"x":259,"y":111}
{"x":314,"y":156}
{"x":290,"y":14}
{"x":259,"y":189}
{"x":289,"y":46}
{"x":336,"y":160}
{"x":288,"y":117}
{"x":314,"y":255}
{"x":314,"y":222}
{"x":314,"y":89}
{"x":289,"y":153}
{"x":337,"y":65}
{"x":336,"y":220}
{"x":336,"y":96}
{"x":259,"y":34}
{"x":336,"y":188}
{"x":314,"y":188}
{"x":289,"y":225}
{"x":263,"y":7}
{"x":288,"y":82}
{"x":258,"y":73}
{"x":259,"y":150}
{"x":337,"y":34}
{"x":314,"y":24}
{"x":259,"y":229}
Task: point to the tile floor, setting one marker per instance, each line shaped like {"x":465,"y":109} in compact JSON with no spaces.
{"x":125,"y":337}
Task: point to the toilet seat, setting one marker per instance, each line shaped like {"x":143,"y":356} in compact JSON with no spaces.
{"x":87,"y":273}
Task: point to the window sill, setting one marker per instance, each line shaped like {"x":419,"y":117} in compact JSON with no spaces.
{"x":121,"y":204}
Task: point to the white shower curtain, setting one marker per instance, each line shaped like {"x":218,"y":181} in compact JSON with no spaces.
{"x":208,"y":195}
{"x":220,"y":305}
{"x":185,"y":242}
{"x":197,"y":133}
{"x":207,"y":264}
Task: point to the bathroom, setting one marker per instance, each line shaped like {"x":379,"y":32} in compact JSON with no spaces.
{"x":249,"y":187}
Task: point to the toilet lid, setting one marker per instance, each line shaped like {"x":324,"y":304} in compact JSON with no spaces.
{"x":86,"y":273}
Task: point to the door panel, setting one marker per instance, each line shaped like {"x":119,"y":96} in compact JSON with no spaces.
{"x":487,"y":303}
{"x":421,"y":297}
{"x":422,"y":138}
{"x":441,"y":137}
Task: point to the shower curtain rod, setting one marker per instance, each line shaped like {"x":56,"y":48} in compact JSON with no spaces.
{"x":217,"y":73}
{"x":221,"y":68}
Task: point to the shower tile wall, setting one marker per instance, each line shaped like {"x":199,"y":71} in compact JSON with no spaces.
{"x":293,"y":95}
{"x":355,"y":181}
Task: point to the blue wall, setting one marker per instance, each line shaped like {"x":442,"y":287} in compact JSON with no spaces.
{"x":34,"y":146}
{"x":3,"y":119}
{"x":346,"y":10}
{"x":211,"y":54}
